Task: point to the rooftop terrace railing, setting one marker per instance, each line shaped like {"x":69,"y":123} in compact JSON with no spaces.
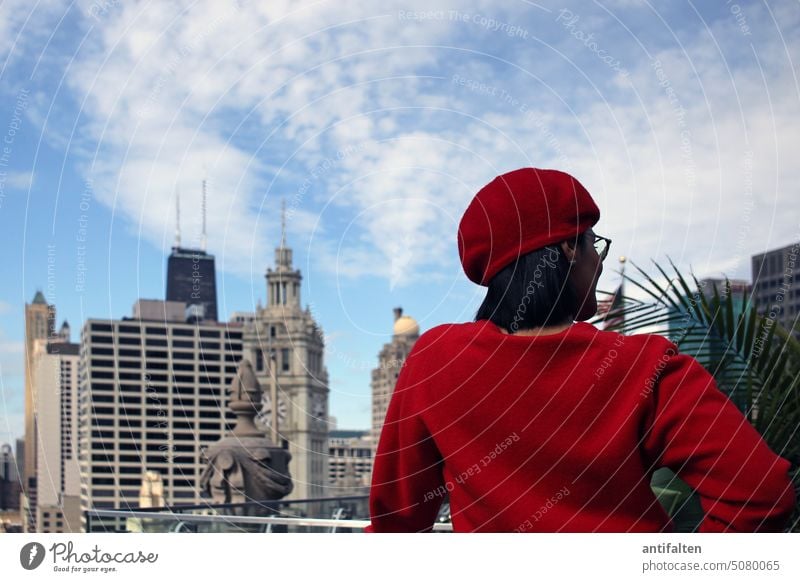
{"x":321,"y":515}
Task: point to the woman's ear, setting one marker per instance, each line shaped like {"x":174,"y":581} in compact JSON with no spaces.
{"x":568,"y":248}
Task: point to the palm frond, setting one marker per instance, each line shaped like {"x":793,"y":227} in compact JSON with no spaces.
{"x":754,"y":360}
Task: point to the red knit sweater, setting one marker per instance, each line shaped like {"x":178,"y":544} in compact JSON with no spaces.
{"x":562,"y":433}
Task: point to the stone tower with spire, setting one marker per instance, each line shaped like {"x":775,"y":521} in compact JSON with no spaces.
{"x":286,"y":347}
{"x":405,"y":333}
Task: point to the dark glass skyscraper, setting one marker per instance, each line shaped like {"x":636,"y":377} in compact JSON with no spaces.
{"x":191,"y":278}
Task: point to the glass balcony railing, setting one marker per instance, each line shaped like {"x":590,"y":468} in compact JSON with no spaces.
{"x":323,"y":515}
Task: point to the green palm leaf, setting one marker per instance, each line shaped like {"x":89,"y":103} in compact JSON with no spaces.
{"x":753,"y":359}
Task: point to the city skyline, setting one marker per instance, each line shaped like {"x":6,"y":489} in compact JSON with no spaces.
{"x":682,"y":128}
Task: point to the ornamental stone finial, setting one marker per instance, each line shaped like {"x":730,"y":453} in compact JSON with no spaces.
{"x":246,"y":466}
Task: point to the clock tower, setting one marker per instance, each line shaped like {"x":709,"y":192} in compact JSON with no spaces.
{"x":286,"y":346}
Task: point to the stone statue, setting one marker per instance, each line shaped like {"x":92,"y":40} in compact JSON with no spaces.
{"x":151,"y":493}
{"x":246,"y":466}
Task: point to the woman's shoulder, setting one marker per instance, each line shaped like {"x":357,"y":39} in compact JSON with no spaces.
{"x":441,"y":336}
{"x":442,"y":333}
{"x":437,"y":339}
{"x":636,"y":342}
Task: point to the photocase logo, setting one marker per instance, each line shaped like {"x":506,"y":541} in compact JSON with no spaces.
{"x":31,"y":555}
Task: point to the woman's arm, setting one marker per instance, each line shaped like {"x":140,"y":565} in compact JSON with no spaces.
{"x":696,"y":431}
{"x":407,"y":481}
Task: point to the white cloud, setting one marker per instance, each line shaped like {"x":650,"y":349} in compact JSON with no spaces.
{"x":11,"y":358}
{"x":257,"y":96}
{"x":20,"y":180}
{"x":11,"y":389}
{"x":166,"y":99}
{"x":22,"y":24}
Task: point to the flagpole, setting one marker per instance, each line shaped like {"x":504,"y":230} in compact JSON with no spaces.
{"x":621,"y":291}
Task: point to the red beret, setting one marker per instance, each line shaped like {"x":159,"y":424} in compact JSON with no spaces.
{"x":517,"y":213}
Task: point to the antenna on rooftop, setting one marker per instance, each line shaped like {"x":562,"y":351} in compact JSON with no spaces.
{"x":283,"y":223}
{"x":177,"y":217}
{"x":203,"y":210}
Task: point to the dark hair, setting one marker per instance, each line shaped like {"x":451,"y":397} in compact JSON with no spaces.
{"x":533,"y":291}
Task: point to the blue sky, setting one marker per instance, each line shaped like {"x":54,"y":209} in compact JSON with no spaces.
{"x":377,"y":123}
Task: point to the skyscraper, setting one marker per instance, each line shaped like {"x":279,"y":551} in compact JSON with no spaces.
{"x":153,"y":396}
{"x":191,"y":279}
{"x":57,"y":470}
{"x":9,"y":479}
{"x":776,"y":285}
{"x":284,"y":342}
{"x":191,"y":275}
{"x":39,"y":325}
{"x":391,"y":358}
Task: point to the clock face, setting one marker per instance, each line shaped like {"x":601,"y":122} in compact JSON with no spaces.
{"x":318,"y":412}
{"x":318,"y":407}
{"x":264,"y":417}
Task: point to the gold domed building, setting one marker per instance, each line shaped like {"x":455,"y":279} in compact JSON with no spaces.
{"x":405,"y":325}
{"x":404,"y":334}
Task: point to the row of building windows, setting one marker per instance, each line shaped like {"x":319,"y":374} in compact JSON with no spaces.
{"x":109,"y":434}
{"x":285,"y":359}
{"x":183,"y":331}
{"x":98,"y":341}
{"x":139,"y":459}
{"x":351,"y":453}
{"x":180,"y":480}
{"x":202,"y":365}
{"x":154,"y":408}
{"x":215,"y":414}
{"x":133,"y":392}
{"x":108,"y":450}
{"x":200,"y":379}
{"x":149,"y":379}
{"x":762,"y":285}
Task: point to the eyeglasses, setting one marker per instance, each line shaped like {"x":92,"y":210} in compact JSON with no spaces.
{"x":601,"y":245}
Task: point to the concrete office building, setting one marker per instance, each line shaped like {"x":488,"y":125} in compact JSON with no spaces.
{"x":39,"y":325}
{"x":390,"y":360}
{"x":284,"y":339}
{"x":350,"y":462}
{"x":57,"y":471}
{"x":152,"y":398}
{"x":243,"y":317}
{"x":9,"y":480}
{"x":10,"y":491}
{"x":776,"y":285}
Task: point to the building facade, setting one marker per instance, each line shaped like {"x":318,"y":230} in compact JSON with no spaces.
{"x":153,"y":396}
{"x":349,"y":462}
{"x":191,"y":279}
{"x":285,"y":344}
{"x":57,"y":470}
{"x":39,"y":325}
{"x":9,"y":480}
{"x":390,"y":359}
{"x":243,"y":317}
{"x":776,"y":285}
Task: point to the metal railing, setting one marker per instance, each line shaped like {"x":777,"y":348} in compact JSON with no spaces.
{"x":322,"y":515}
